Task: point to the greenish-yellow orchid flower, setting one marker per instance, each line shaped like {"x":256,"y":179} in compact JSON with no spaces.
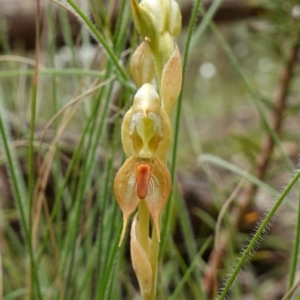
{"x":146,"y":128}
{"x":144,"y":176}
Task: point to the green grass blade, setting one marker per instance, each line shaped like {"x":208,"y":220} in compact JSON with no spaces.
{"x":295,"y":253}
{"x":188,"y":273}
{"x":100,"y":38}
{"x":208,"y":158}
{"x":20,"y":194}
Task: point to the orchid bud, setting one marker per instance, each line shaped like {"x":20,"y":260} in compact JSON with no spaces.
{"x":144,"y":22}
{"x":142,"y":66}
{"x":166,"y":14}
{"x":157,"y":10}
{"x":171,"y":82}
{"x":175,"y":19}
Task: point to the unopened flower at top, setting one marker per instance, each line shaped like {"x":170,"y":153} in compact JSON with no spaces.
{"x":152,"y":17}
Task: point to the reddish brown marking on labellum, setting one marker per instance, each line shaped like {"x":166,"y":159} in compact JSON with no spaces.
{"x":143,"y":173}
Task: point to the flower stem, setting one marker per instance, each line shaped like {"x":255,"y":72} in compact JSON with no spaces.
{"x":154,"y":261}
{"x":143,"y":227}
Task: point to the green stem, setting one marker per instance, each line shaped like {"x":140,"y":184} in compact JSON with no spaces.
{"x":294,"y":262}
{"x":143,"y":227}
{"x":154,"y":262}
{"x":100,"y":38}
{"x":158,"y":68}
{"x":256,"y":237}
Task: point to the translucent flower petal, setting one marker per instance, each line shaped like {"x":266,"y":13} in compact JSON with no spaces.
{"x":158,"y":195}
{"x":125,"y":191}
{"x":171,"y":82}
{"x":142,"y":66}
{"x":140,"y":261}
{"x":144,"y":22}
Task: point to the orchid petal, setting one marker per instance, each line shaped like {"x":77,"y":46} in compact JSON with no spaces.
{"x":171,"y":82}
{"x":140,"y":260}
{"x":142,"y":66}
{"x":125,"y":191}
{"x":158,"y":195}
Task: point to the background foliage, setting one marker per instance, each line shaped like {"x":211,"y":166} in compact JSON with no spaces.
{"x":235,"y":150}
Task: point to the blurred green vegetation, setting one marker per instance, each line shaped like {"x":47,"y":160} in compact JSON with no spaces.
{"x":73,"y":221}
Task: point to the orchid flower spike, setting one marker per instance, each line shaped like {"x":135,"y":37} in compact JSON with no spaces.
{"x":146,"y":132}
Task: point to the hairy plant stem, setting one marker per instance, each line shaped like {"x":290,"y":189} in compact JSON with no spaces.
{"x":262,"y":227}
{"x":262,"y":163}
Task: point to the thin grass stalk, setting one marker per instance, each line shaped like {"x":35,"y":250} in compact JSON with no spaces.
{"x":110,"y":259}
{"x":107,"y":248}
{"x":123,"y":22}
{"x":74,"y":219}
{"x":105,"y":108}
{"x":105,"y":244}
{"x":4,"y":38}
{"x":99,"y":15}
{"x":67,"y":34}
{"x":88,"y":166}
{"x":295,"y":252}
{"x":208,"y":158}
{"x":112,"y":142}
{"x":190,"y":242}
{"x":89,"y":127}
{"x":291,"y":291}
{"x":177,"y":116}
{"x":101,"y":39}
{"x":30,"y":165}
{"x":205,"y":22}
{"x":1,"y":278}
{"x":55,"y":236}
{"x":75,"y":213}
{"x":30,"y":158}
{"x":189,"y":271}
{"x":86,"y":285}
{"x":19,"y":191}
{"x":73,"y":162}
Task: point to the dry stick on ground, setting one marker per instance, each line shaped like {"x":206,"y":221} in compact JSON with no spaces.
{"x":279,"y":104}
